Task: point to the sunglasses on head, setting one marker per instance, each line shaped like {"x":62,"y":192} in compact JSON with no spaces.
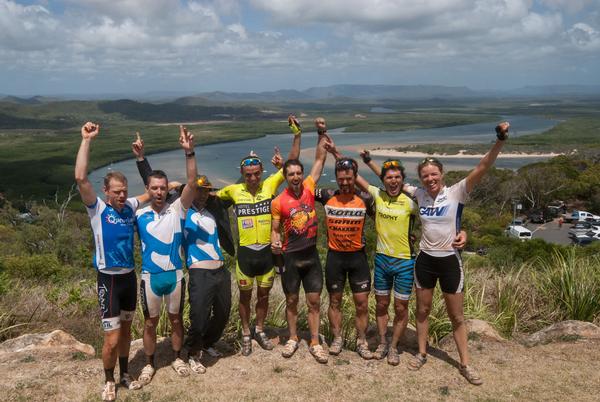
{"x":202,"y":181}
{"x":392,"y":164}
{"x":250,"y":162}
{"x":429,"y":160}
{"x":344,"y":164}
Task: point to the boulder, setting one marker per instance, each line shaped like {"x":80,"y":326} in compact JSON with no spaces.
{"x":476,"y":330}
{"x":54,"y":340}
{"x":564,"y":331}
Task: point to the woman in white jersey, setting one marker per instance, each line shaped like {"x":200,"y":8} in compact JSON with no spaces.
{"x":440,"y":210}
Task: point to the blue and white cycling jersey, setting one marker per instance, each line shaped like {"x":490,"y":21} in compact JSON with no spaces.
{"x":113,"y":236}
{"x":162,"y":237}
{"x":201,"y":237}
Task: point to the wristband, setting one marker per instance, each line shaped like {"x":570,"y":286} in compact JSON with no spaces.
{"x":193,"y":153}
{"x":500,"y":135}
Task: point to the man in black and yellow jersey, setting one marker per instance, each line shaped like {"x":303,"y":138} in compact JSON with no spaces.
{"x":252,"y":208}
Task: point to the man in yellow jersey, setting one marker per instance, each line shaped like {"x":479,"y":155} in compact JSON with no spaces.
{"x":252,"y":207}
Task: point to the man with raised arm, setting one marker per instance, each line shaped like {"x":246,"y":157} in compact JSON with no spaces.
{"x":252,"y":207}
{"x":346,"y":210}
{"x":113,"y":226}
{"x":160,"y":227}
{"x":294,"y":208}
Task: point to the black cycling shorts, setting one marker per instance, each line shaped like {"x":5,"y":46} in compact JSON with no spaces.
{"x":254,"y":262}
{"x":351,"y":264}
{"x":302,"y":266}
{"x":117,"y":296}
{"x":449,"y":271}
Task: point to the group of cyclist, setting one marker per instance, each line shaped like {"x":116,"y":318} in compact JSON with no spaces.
{"x":190,"y":222}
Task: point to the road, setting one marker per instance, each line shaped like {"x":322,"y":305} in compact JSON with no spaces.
{"x":550,"y":232}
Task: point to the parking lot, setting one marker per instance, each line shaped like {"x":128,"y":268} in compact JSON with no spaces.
{"x":550,"y":232}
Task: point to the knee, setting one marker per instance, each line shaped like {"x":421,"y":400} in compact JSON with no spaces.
{"x":291,"y":300}
{"x":245,"y":297}
{"x":362,"y":307}
{"x":111,"y":341}
{"x":423,"y":311}
{"x":262,"y":298}
{"x":457,"y":320}
{"x":150,"y":325}
{"x":401,"y":311}
{"x":314,"y":306}
{"x":381,"y":308}
{"x":335,"y":303}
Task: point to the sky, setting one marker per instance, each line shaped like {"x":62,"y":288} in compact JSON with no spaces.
{"x":138,"y":46}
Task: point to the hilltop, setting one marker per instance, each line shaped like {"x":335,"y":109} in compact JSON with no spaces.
{"x":567,"y":370}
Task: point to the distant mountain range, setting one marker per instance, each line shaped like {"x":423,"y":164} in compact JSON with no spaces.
{"x":345,"y":92}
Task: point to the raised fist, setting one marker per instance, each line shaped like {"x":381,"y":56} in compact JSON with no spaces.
{"x":90,"y":130}
{"x":320,"y":125}
{"x":502,"y":130}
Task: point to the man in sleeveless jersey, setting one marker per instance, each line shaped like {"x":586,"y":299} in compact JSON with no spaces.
{"x":113,"y":226}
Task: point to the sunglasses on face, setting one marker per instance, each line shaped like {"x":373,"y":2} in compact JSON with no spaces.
{"x":250,"y":162}
{"x":392,"y":164}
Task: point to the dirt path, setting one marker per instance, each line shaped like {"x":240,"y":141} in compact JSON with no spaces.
{"x":559,"y":371}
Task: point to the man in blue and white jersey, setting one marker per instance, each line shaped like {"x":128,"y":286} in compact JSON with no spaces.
{"x":113,"y":225}
{"x":160,"y":227}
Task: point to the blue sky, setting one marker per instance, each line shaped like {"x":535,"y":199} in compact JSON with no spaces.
{"x":136,"y":46}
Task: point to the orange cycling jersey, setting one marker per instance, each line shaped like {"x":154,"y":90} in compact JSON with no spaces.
{"x":298,"y":216}
{"x":345,"y":218}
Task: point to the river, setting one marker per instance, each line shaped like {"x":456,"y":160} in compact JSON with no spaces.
{"x":220,"y":162}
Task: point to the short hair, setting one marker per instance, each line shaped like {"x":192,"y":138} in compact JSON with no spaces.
{"x":384,"y":170}
{"x":346,"y":164}
{"x":292,"y":162}
{"x":118,"y":176}
{"x":157,"y":174}
{"x":430,"y":161}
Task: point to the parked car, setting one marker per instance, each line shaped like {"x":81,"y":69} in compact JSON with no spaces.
{"x":557,"y":207}
{"x":580,"y":228}
{"x":539,"y":216}
{"x":583,"y":216}
{"x":582,"y":240}
{"x":518,"y":232}
{"x":521,"y":221}
{"x":595,"y":236}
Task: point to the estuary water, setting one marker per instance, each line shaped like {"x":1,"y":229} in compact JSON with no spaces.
{"x":220,"y":162}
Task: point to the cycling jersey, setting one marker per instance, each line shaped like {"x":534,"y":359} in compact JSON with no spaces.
{"x":253,"y":212}
{"x":298,"y":216}
{"x":345,"y":218}
{"x":161,"y":236}
{"x":394,"y":218}
{"x":201,"y":237}
{"x":113,"y":235}
{"x":440,"y":217}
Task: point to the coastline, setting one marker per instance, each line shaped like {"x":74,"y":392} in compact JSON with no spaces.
{"x":461,"y":154}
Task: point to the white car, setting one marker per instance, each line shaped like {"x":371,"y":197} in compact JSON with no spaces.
{"x":583,"y":216}
{"x":518,"y":232}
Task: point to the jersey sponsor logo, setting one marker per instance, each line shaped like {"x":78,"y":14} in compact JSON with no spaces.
{"x":345,"y":212}
{"x":386,"y":216}
{"x":260,"y":208}
{"x":117,"y":220}
{"x":247,"y":223}
{"x":102,"y":292}
{"x":434,"y":211}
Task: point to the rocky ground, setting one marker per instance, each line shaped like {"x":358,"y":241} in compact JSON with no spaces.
{"x":559,"y":366}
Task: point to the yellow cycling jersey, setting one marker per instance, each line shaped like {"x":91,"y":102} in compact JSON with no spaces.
{"x":394,"y":219}
{"x":253,"y":212}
